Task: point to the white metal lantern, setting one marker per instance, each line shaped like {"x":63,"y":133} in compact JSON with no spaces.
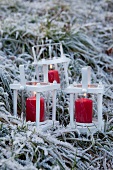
{"x":86,"y":87}
{"x":52,"y":60}
{"x":38,"y":88}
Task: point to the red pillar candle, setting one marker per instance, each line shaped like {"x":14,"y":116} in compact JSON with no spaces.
{"x":53,"y":75}
{"x":31,"y":109}
{"x":83,"y":110}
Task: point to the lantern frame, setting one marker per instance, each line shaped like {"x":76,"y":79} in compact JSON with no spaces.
{"x":62,"y":59}
{"x":39,"y":88}
{"x":86,"y":87}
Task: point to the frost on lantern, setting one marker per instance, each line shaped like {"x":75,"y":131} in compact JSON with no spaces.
{"x":81,"y":116}
{"x":51,"y":82}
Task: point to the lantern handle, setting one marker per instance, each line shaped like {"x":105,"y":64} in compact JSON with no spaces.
{"x":50,"y":49}
{"x":86,"y":78}
{"x":22,"y":76}
{"x":61,"y":50}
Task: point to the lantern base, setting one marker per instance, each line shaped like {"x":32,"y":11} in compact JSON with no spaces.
{"x":88,"y":128}
{"x":85,"y":124}
{"x":44,"y":126}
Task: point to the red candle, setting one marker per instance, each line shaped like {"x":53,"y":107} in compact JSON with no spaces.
{"x":53,"y":75}
{"x":83,"y":110}
{"x":31,"y":109}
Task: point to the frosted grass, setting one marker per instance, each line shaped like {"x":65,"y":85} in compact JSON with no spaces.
{"x":86,"y":32}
